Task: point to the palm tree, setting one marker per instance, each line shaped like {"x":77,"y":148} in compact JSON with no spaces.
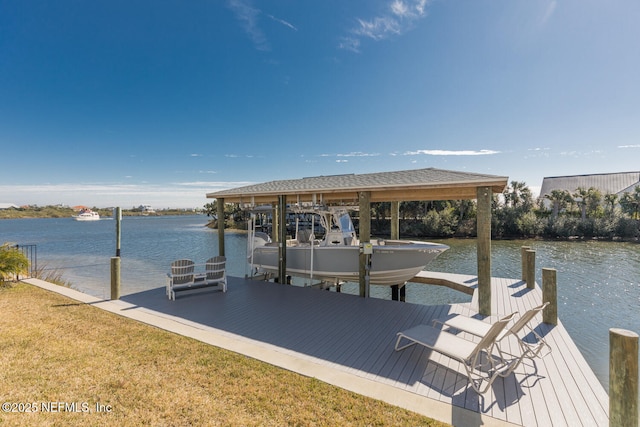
{"x":610,"y":200}
{"x":517,"y":194}
{"x":559,"y":200}
{"x":630,"y":202}
{"x":580,"y":196}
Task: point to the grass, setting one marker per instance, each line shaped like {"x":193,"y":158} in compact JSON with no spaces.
{"x":53,"y":349}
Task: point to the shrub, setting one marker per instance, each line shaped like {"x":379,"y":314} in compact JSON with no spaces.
{"x":12,"y":262}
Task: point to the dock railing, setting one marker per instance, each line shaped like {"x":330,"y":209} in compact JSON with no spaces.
{"x":31,"y":252}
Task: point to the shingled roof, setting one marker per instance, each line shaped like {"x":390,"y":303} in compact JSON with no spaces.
{"x":407,"y":185}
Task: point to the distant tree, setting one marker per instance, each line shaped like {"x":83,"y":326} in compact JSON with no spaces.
{"x":580,"y":197}
{"x":594,"y":202}
{"x":411,"y":209}
{"x":630,"y":203}
{"x":517,"y":195}
{"x":211,"y":209}
{"x":559,"y":200}
{"x":610,"y":200}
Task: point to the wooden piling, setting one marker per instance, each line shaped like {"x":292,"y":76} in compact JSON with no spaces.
{"x":115,"y":277}
{"x":395,"y":220}
{"x":399,"y":292}
{"x":530,"y":276}
{"x":364,"y":225}
{"x":282,"y":239}
{"x":523,"y":257}
{"x":117,"y":213}
{"x":550,"y":295}
{"x":623,"y":378}
{"x":221,"y":225}
{"x":484,"y":195}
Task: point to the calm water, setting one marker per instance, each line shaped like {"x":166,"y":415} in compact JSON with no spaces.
{"x":598,"y":282}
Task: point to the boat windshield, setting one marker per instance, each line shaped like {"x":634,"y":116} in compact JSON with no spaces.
{"x":344,"y":222}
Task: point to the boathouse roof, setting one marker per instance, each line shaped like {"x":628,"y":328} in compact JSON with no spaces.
{"x":607,"y":183}
{"x":407,"y":185}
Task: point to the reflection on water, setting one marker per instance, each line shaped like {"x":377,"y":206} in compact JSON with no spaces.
{"x":598,"y":282}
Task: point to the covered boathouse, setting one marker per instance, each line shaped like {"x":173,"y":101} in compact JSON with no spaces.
{"x":363,"y":189}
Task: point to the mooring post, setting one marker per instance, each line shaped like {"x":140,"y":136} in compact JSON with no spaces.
{"x":115,"y":261}
{"x":364,"y":225}
{"x":483,"y":224}
{"x":395,"y":220}
{"x":550,"y":295}
{"x":117,"y":213}
{"x":523,"y":257}
{"x":530,"y":276}
{"x":221,"y":225}
{"x":282,"y":239}
{"x":623,"y":378}
{"x":399,"y":292}
{"x":115,"y":277}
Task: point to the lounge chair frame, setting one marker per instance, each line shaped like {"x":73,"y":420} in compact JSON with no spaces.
{"x":477,"y":359}
{"x":479,"y":328}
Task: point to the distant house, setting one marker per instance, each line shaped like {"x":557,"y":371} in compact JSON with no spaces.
{"x":606,"y":183}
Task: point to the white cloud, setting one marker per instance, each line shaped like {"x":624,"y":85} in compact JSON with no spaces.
{"x":551,"y":8}
{"x":341,"y":156}
{"x":358,"y":154}
{"x":451,"y":152}
{"x":629,"y":146}
{"x":248,"y":17}
{"x":350,"y":43}
{"x":399,"y":17}
{"x":283,"y":22}
{"x":378,"y":28}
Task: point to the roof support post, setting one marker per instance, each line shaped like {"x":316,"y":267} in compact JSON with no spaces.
{"x":220,"y":209}
{"x":484,"y":196}
{"x":364,"y":200}
{"x":282,"y":239}
{"x":395,"y":220}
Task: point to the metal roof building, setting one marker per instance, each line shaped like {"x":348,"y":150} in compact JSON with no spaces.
{"x":607,"y":183}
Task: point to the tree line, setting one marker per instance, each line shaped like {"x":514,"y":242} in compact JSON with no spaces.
{"x":584,"y":214}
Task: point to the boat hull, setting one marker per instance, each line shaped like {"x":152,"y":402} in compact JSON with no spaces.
{"x":87,"y":218}
{"x":391,"y":264}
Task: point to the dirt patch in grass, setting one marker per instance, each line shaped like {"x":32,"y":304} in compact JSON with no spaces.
{"x":90,"y":367}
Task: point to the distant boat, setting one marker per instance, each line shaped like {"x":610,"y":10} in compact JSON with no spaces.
{"x":335,"y":257}
{"x":87,"y":215}
{"x":147,"y":210}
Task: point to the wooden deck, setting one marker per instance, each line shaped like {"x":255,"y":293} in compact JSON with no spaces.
{"x":356,"y":336}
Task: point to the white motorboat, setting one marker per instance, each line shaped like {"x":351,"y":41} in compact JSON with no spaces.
{"x":336,"y":257}
{"x":87,"y":215}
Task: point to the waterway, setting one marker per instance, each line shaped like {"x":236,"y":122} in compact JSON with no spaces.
{"x":598,"y":282}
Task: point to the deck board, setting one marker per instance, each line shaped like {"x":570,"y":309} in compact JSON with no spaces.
{"x":357,"y":336}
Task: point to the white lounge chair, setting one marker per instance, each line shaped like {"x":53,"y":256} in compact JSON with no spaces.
{"x":476,"y":358}
{"x":479,"y":328}
{"x":216,"y":274}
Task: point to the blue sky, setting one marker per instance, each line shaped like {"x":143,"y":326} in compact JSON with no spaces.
{"x":122,"y":103}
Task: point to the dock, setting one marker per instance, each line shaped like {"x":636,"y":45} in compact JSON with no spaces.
{"x":348,"y":341}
